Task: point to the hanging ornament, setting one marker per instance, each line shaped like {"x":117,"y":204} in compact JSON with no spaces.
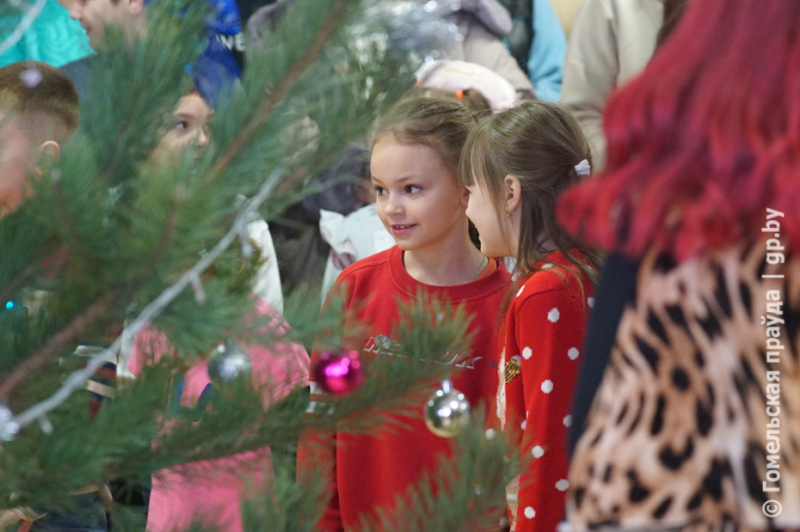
{"x":383,"y":342}
{"x":228,"y":363}
{"x":447,"y":412}
{"x":339,"y":374}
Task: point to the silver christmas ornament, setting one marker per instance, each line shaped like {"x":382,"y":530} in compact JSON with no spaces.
{"x":383,"y":341}
{"x":447,"y":412}
{"x":228,"y":363}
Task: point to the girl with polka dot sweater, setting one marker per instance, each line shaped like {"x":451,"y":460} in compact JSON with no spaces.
{"x":514,"y":165}
{"x":543,"y":337}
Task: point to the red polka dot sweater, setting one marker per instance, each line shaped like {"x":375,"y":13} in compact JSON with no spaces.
{"x":544,"y":331}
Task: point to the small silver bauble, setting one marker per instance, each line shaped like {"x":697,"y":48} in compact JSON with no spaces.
{"x":383,"y":341}
{"x":447,"y":413}
{"x":228,"y":363}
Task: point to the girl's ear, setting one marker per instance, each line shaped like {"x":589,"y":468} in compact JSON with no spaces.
{"x":512,"y":189}
{"x":464,"y":196}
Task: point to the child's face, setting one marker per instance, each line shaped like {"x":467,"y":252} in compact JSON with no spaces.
{"x":482,"y":212}
{"x":419,"y":201}
{"x":188,"y":127}
{"x":16,"y":161}
{"x":94,"y":15}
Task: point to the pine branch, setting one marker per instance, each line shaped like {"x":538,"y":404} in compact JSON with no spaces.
{"x":82,"y":322}
{"x":57,"y":261}
{"x":178,"y":201}
{"x":466,"y":492}
{"x":66,"y":220}
{"x":69,"y":334}
{"x":280,"y":92}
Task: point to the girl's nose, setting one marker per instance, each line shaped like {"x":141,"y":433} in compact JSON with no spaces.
{"x":202,"y":138}
{"x":392,"y":205}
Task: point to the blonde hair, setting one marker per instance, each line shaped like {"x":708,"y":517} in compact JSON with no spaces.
{"x":472,"y":99}
{"x":439,"y":123}
{"x":540,"y":144}
{"x":53,"y":98}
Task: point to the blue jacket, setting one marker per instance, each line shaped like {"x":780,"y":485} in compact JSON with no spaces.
{"x":546,"y":58}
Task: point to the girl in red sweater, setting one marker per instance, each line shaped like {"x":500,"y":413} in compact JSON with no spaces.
{"x":514,"y":166}
{"x":414,"y":170}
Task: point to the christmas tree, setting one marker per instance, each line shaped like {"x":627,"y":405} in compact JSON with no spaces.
{"x":111,"y":246}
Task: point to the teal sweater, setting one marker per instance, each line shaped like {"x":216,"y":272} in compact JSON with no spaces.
{"x":52,"y":38}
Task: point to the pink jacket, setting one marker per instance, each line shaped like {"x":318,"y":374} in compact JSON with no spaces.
{"x":210,"y":491}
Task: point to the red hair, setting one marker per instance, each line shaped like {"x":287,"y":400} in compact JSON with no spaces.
{"x":704,"y":140}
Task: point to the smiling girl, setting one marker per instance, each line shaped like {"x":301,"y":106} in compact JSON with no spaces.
{"x":414,"y":169}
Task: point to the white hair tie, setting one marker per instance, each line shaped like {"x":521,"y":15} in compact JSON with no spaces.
{"x":583,"y":168}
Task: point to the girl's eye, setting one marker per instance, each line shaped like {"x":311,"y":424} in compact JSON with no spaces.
{"x":182,"y":125}
{"x":380,"y":191}
{"x":412,"y":189}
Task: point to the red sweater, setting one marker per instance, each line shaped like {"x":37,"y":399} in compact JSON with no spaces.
{"x":544,"y":332}
{"x":371,"y":471}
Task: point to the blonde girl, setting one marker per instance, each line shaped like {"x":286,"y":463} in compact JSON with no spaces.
{"x":414,"y":172}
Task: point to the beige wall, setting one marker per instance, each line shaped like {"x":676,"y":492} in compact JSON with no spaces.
{"x":566,"y":9}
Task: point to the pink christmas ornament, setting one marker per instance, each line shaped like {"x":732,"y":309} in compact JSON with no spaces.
{"x":339,"y":374}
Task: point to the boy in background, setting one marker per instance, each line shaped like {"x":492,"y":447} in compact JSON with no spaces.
{"x":216,"y":68}
{"x":38,"y":112}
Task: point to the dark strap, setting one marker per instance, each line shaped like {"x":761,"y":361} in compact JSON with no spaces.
{"x":616,"y":289}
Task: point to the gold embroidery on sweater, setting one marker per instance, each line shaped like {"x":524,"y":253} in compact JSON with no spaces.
{"x":512,"y":369}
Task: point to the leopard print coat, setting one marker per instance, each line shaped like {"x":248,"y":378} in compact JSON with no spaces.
{"x":678,"y":432}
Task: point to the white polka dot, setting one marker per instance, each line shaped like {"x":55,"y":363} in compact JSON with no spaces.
{"x":490,"y":434}
{"x":568,"y":421}
{"x":530,"y":513}
{"x":548,"y":265}
{"x":537,"y":451}
{"x":562,"y":485}
{"x":527,"y":353}
{"x":523,"y":425}
{"x":547,"y":386}
{"x":573,"y":353}
{"x":520,"y":291}
{"x":478,"y":489}
{"x":553,"y":315}
{"x":591,"y":302}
